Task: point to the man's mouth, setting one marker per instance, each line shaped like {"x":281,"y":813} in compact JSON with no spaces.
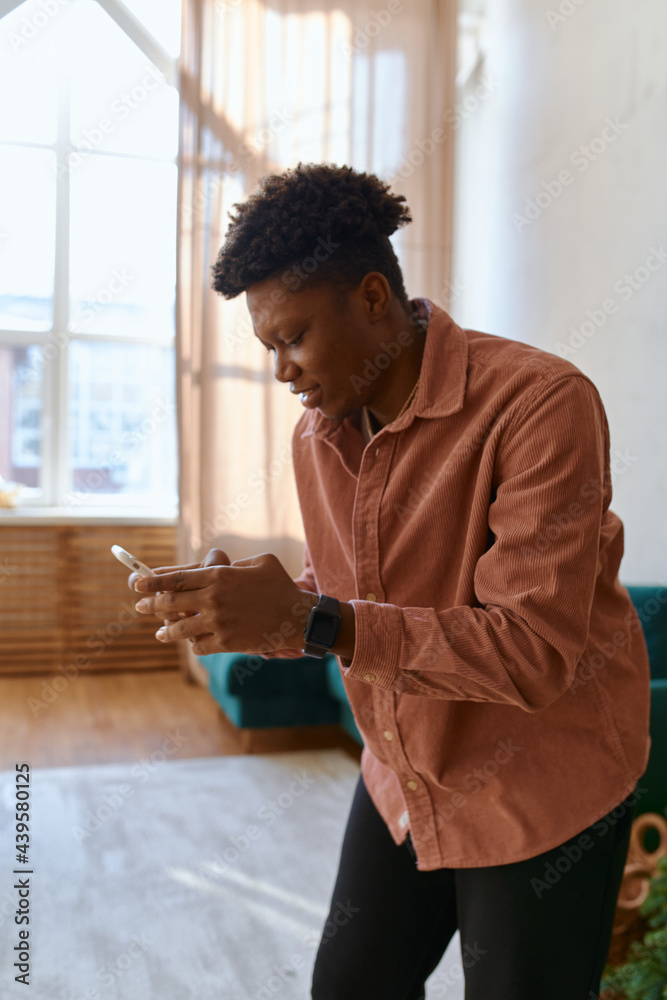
{"x":310,"y":397}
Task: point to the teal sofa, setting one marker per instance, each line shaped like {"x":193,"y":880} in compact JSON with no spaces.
{"x":258,"y":693}
{"x":255,"y":693}
{"x":651,"y":605}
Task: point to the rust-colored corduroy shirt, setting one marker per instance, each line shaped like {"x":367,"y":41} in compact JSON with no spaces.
{"x":500,"y":677}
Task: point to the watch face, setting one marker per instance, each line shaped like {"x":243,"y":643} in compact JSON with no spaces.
{"x":324,"y":630}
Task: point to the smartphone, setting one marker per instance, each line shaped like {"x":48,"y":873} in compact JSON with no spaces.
{"x":131,"y":561}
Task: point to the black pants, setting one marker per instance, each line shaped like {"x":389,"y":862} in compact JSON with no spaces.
{"x":389,"y":924}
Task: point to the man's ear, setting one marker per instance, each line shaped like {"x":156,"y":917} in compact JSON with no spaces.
{"x":376,"y":295}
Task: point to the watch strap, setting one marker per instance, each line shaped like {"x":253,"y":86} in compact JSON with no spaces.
{"x":329,"y":607}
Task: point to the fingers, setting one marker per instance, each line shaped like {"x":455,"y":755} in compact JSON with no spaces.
{"x":133,"y":577}
{"x":216,"y":557}
{"x":185,"y":628}
{"x":182,"y":579}
{"x":171,"y":603}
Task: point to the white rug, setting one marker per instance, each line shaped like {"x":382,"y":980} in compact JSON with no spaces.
{"x":204,"y":879}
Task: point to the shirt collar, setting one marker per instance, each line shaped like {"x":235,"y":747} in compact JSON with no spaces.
{"x":442,"y":378}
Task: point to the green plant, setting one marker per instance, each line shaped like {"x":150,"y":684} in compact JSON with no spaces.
{"x":643,"y":976}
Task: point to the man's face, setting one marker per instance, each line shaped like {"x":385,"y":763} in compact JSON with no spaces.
{"x":319,"y":342}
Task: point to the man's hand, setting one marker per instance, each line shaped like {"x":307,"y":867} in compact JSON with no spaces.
{"x":250,"y":606}
{"x":214,"y":557}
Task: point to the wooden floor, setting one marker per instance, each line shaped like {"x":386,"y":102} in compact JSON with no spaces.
{"x":123,"y":716}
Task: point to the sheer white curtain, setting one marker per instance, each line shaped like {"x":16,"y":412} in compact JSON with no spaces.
{"x":263,"y":86}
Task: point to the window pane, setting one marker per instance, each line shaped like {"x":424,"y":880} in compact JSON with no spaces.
{"x":123,"y":247}
{"x":21,"y":414}
{"x":163,"y":20}
{"x":27,"y":71}
{"x":122,"y":418}
{"x":390,"y":91}
{"x":27,"y":238}
{"x":120,"y":101}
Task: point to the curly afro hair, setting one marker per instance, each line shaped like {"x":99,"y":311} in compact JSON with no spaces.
{"x":317,"y":221}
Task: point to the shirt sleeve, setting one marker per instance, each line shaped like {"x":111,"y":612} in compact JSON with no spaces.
{"x":534,"y":583}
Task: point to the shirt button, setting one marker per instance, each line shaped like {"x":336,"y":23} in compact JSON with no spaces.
{"x":369,"y":677}
{"x":388,"y":735}
{"x":412,"y":785}
{"x":371,"y":596}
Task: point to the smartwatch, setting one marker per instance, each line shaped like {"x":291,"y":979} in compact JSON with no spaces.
{"x":323,"y":626}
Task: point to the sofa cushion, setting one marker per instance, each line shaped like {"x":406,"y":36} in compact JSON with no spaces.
{"x":654,"y":780}
{"x":651,"y":606}
{"x":337,"y":691}
{"x":252,"y":676}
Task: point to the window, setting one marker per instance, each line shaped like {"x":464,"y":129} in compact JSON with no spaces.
{"x":88,"y":146}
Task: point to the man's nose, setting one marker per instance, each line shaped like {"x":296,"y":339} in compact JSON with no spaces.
{"x":284,"y":369}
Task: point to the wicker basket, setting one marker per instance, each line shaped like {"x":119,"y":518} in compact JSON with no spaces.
{"x":640,"y":867}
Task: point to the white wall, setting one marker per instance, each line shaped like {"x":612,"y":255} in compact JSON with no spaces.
{"x":550,"y":89}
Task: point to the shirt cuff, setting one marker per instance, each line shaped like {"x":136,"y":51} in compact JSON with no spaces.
{"x":377,"y":644}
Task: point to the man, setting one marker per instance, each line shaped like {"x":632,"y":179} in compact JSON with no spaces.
{"x":463,"y":560}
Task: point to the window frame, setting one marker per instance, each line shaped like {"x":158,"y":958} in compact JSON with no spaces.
{"x":55,"y":469}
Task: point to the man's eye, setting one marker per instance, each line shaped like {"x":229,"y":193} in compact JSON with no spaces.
{"x":272,"y":348}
